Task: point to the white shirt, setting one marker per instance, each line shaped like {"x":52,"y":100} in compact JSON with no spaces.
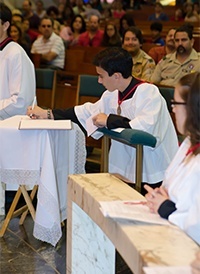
{"x":147,"y":111}
{"x":54,"y":44}
{"x":182,"y":181}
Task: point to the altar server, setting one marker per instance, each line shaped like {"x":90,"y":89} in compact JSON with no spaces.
{"x":127,"y":103}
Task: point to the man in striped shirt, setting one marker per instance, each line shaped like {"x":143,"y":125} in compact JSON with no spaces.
{"x":49,"y":45}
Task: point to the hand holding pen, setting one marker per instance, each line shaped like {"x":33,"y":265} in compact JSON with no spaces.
{"x":32,"y":107}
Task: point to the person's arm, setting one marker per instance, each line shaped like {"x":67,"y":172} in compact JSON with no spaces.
{"x":49,"y":56}
{"x":18,"y":84}
{"x":63,"y":114}
{"x":148,"y":69}
{"x":156,"y":76}
{"x":56,"y":114}
{"x":115,"y":121}
{"x":56,"y":49}
{"x":146,"y":112}
{"x":111,"y":121}
{"x":166,"y":208}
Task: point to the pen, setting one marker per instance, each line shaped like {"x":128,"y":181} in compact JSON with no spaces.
{"x":33,"y":104}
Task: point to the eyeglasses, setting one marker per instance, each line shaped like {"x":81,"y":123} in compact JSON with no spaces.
{"x":46,"y":26}
{"x":173,"y":103}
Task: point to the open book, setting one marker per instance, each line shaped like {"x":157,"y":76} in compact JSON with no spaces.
{"x":28,"y":123}
{"x":168,"y":270}
{"x":131,"y":210}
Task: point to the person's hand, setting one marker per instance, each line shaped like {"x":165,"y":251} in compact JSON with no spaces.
{"x":36,"y":113}
{"x":196,"y":264}
{"x":100,"y":120}
{"x":155,"y":197}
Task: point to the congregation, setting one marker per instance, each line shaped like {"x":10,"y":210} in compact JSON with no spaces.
{"x":134,"y":47}
{"x":52,"y":28}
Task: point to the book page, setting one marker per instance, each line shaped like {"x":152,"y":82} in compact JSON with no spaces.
{"x":132,"y":210}
{"x":44,"y":124}
{"x":168,"y":270}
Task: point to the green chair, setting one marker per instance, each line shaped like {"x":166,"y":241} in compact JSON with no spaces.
{"x":45,"y":87}
{"x":168,"y":94}
{"x":131,"y":137}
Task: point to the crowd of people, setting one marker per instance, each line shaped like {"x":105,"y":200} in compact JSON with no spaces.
{"x":131,"y":99}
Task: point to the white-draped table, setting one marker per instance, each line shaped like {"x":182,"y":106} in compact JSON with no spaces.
{"x":44,"y":158}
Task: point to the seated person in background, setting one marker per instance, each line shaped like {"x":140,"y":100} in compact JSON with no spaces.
{"x":79,"y":7}
{"x":89,"y":10}
{"x":178,"y":15}
{"x":49,"y":45}
{"x":28,"y":13}
{"x":196,"y":264}
{"x":191,"y":15}
{"x":125,"y":22}
{"x":16,"y":35}
{"x":111,"y":37}
{"x":32,"y":34}
{"x":159,"y":15}
{"x":53,"y":13}
{"x":127,"y":103}
{"x":157,"y":53}
{"x":178,"y":197}
{"x":65,"y":30}
{"x":39,"y":9}
{"x":106,"y":14}
{"x":143,"y":64}
{"x":17,"y":19}
{"x":183,"y":61}
{"x":117,"y":9}
{"x":93,"y":36}
{"x":156,"y":30}
{"x":78,"y":26}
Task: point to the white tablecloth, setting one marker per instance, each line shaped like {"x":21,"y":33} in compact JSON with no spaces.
{"x":46,"y":158}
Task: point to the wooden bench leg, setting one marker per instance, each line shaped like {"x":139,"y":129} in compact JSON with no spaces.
{"x":104,"y":154}
{"x":138,"y":170}
{"x":32,"y":195}
{"x":10,"y":212}
{"x":28,"y":200}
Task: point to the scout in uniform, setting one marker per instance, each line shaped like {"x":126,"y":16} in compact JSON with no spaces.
{"x":183,"y":61}
{"x":143,"y":64}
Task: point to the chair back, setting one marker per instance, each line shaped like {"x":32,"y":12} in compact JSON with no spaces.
{"x":168,"y":94}
{"x":45,"y":87}
{"x":88,"y":90}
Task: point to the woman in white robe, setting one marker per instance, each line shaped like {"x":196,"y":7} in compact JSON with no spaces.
{"x":178,"y":199}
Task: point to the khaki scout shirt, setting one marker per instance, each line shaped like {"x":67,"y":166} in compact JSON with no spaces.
{"x":143,"y":66}
{"x":169,"y":70}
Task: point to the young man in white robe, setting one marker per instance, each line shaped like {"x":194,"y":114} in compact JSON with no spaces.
{"x":17,"y":79}
{"x":127,"y":103}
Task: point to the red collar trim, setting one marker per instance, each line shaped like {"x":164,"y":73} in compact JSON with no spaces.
{"x":5,"y":42}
